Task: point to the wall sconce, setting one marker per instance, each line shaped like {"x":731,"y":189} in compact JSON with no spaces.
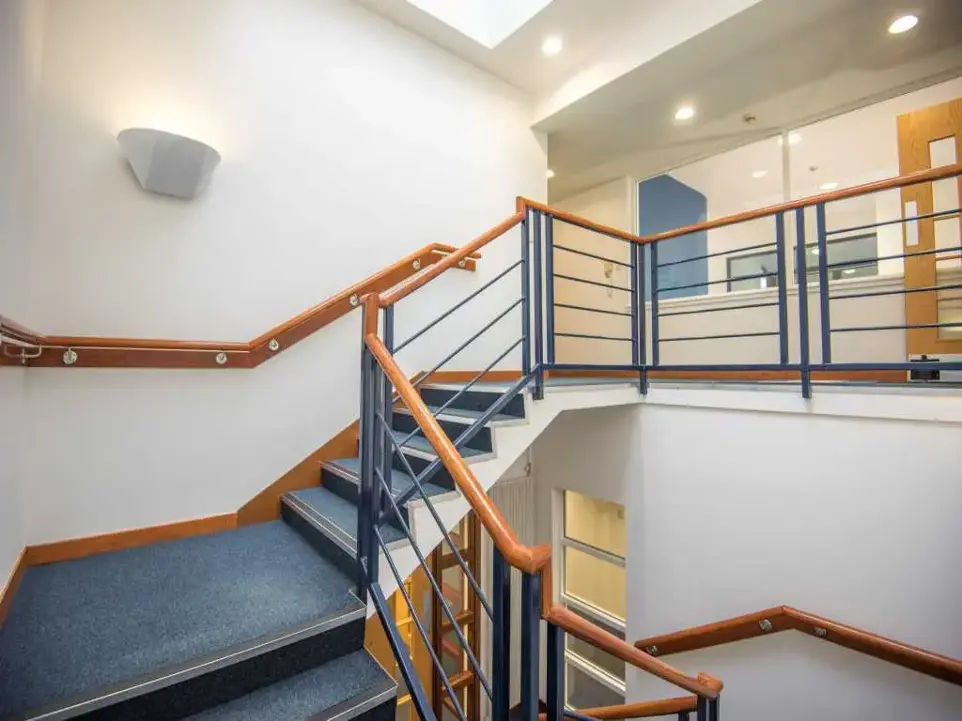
{"x":168,"y":164}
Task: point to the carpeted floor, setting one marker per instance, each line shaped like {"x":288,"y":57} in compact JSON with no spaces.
{"x":341,"y":512}
{"x":305,"y":695}
{"x":80,"y":625}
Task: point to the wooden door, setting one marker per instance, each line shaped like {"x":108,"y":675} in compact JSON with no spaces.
{"x":931,"y":138}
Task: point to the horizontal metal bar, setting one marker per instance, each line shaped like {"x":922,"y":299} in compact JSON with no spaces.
{"x":417,"y":621}
{"x":924,"y":216}
{"x":571,"y":220}
{"x":718,"y":310}
{"x":721,"y":252}
{"x":591,"y":367}
{"x":441,"y":317}
{"x":900,"y":291}
{"x":592,"y":255}
{"x":868,"y":261}
{"x":478,"y":377}
{"x":469,"y":341}
{"x":904,"y":366}
{"x":715,"y":337}
{"x":716,"y":282}
{"x":748,"y":367}
{"x":592,"y":282}
{"x":861,"y":329}
{"x":591,"y":310}
{"x":595,"y":337}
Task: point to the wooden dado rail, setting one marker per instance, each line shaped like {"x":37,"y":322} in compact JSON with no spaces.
{"x":784,"y":618}
{"x":527,"y":559}
{"x":93,"y":352}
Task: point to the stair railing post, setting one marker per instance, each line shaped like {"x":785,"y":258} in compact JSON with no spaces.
{"x":530,"y":645}
{"x":555,"y":673}
{"x":549,"y":287}
{"x":824,"y":300}
{"x":525,"y":306}
{"x":538,"y":312}
{"x":501,"y":642}
{"x":387,"y":412}
{"x":782,"y":289}
{"x":653,"y":259}
{"x":365,"y":530}
{"x":801,"y":278}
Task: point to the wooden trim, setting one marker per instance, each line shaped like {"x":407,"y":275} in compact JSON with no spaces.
{"x":9,"y":589}
{"x":451,"y":260}
{"x":644,"y":709}
{"x":266,"y":505}
{"x":81,"y":547}
{"x":96,"y":352}
{"x":900,"y":181}
{"x":498,"y":376}
{"x":704,"y":685}
{"x":784,"y":618}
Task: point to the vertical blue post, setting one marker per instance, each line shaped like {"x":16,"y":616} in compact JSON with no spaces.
{"x":556,"y":673}
{"x":654,"y":304}
{"x":801,"y":276}
{"x":525,"y":308}
{"x":782,"y":289}
{"x":642,"y":312}
{"x":823,"y":296}
{"x":549,"y":283}
{"x":366,"y":510}
{"x":683,"y":716}
{"x":701,"y":712}
{"x":387,"y":410}
{"x":538,"y":312}
{"x":501,"y":643}
{"x":713,"y":709}
{"x":634,"y":303}
{"x":530,"y":645}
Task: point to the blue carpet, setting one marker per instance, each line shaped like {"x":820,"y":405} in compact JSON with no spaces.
{"x":400,"y":480}
{"x":469,"y":414}
{"x":341,"y":512}
{"x":304,"y":695}
{"x":420,"y":443}
{"x":80,"y":625}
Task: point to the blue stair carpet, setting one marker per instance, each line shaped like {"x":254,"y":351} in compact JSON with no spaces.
{"x":80,"y":625}
{"x":340,"y":512}
{"x":400,"y":480}
{"x":308,"y":694}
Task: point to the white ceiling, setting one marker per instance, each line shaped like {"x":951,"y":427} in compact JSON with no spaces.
{"x":788,"y":63}
{"x":585,"y":26}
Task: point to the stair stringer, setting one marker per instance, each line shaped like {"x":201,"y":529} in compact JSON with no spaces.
{"x":510,"y":440}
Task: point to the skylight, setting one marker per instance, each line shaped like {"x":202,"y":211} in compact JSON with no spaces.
{"x":487,"y":22}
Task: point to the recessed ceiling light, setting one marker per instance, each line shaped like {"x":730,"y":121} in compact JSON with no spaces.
{"x":793,"y":139}
{"x":759,"y":173}
{"x":903,"y":24}
{"x":685,"y":112}
{"x":828,"y":186}
{"x":549,"y":174}
{"x":552,"y":45}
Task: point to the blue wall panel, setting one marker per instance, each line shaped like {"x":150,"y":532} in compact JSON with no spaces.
{"x":665,"y":204}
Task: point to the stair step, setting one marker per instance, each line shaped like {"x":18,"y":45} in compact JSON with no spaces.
{"x":166,"y":630}
{"x":476,"y":399}
{"x":351,"y":687}
{"x":404,"y":423}
{"x":329,"y":523}
{"x":341,"y":476}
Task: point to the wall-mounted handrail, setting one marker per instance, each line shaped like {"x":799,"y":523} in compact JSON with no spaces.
{"x":95,"y":351}
{"x":784,"y":618}
{"x":527,"y":559}
{"x":641,"y":709}
{"x":450,"y":261}
{"x":900,"y":181}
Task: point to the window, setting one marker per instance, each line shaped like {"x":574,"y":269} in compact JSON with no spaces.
{"x":593,"y":586}
{"x":752,"y":271}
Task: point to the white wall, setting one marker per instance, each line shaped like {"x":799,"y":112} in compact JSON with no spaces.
{"x":20,"y":42}
{"x":347,"y":143}
{"x":732,"y":511}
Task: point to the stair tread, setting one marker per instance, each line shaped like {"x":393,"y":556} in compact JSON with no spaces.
{"x":307,"y":694}
{"x":420,"y":443}
{"x":340,"y":512}
{"x":400,"y":480}
{"x":77,"y":626}
{"x":467,"y":414}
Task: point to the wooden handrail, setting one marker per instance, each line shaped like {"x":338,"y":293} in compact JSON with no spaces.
{"x":900,"y":181}
{"x":642,"y":709}
{"x":450,"y":261}
{"x":783,"y":618}
{"x":163,"y":353}
{"x":527,"y":559}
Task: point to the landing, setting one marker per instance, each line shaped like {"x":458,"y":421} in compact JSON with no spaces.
{"x":83,"y":624}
